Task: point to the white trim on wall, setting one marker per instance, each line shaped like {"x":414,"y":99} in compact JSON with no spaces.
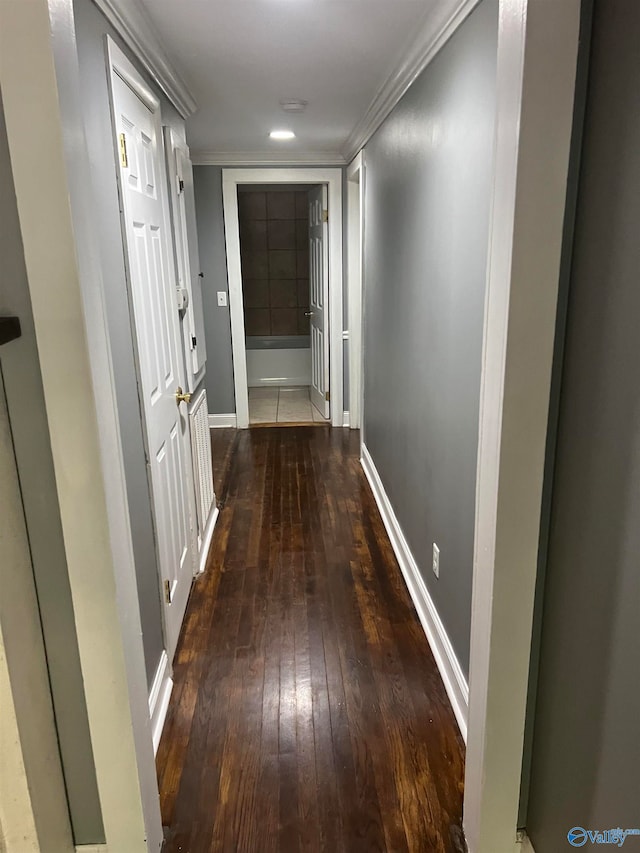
{"x":206,"y":539}
{"x":134,"y":26}
{"x":40,"y":81}
{"x":536,"y":74}
{"x":355,"y":244}
{"x":450,"y":670}
{"x":159,"y":696}
{"x":203,"y":157}
{"x":438,"y":25}
{"x":91,"y":848}
{"x":231,"y":179}
{"x":225,"y":420}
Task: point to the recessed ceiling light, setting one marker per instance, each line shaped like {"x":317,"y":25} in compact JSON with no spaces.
{"x":282,"y":134}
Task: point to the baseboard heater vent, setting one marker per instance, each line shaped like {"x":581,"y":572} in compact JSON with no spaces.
{"x":201,"y":451}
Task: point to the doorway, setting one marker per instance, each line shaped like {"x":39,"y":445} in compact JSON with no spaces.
{"x":282,"y":261}
{"x":285,"y":294}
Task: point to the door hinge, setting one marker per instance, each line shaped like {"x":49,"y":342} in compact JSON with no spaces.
{"x":194,"y":342}
{"x":123,"y":151}
{"x":325,"y":215}
{"x":167,"y":591}
{"x":327,"y":396}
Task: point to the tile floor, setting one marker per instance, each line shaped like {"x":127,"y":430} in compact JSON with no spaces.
{"x":282,"y":406}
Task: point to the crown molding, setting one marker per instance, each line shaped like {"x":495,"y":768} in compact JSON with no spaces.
{"x":133,"y":25}
{"x":261,"y":158}
{"x":440,"y":22}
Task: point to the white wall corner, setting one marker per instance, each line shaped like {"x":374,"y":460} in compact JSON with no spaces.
{"x":133,"y":25}
{"x":451,"y":672}
{"x":437,"y":26}
{"x":225,"y":420}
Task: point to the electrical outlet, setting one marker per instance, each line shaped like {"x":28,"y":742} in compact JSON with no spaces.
{"x":222,"y":298}
{"x":436,"y":560}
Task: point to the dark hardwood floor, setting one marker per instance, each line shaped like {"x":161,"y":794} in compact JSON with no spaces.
{"x":223,"y":441}
{"x":308,"y":713}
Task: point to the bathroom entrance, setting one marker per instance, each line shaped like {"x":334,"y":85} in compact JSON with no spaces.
{"x":277,"y":252}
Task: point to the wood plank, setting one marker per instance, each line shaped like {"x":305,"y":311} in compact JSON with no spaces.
{"x":308,"y":713}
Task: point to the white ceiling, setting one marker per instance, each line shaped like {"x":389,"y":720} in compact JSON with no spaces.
{"x":241,"y":57}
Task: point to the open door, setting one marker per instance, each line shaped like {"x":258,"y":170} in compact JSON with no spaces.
{"x":319,"y":299}
{"x":183,"y":208}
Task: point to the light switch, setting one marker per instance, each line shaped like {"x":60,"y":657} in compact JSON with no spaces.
{"x":222,"y":298}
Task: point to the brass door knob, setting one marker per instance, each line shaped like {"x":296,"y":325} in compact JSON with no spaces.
{"x":181,"y":397}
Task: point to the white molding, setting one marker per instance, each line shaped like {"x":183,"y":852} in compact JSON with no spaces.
{"x":231,"y":178}
{"x":273,"y":158}
{"x":345,"y":419}
{"x":159,"y":696}
{"x":133,"y":25}
{"x":523,"y":843}
{"x":355,"y":243}
{"x":227,"y":420}
{"x":91,"y":848}
{"x":40,"y":81}
{"x":450,"y":670}
{"x":206,"y":539}
{"x":438,"y":25}
{"x":536,"y":74}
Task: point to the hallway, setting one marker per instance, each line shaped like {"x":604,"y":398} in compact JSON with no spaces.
{"x":307,"y":712}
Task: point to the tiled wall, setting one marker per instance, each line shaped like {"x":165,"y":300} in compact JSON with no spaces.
{"x":274,"y":248}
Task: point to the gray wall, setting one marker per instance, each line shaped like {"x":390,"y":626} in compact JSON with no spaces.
{"x":20,"y":369}
{"x":213,"y":260}
{"x":586,"y":750}
{"x":91,"y":28}
{"x":427,"y":200}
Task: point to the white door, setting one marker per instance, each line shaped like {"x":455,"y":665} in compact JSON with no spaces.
{"x":155,"y":314}
{"x":187,"y":255}
{"x":319,"y":300}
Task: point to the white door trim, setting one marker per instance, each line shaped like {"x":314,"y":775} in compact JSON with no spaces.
{"x":231,"y":179}
{"x":34,"y":811}
{"x":355,"y":249}
{"x":40,"y":81}
{"x":537,"y":58}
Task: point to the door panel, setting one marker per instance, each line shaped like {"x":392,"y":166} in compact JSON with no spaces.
{"x":187,"y":255}
{"x":155,"y":316}
{"x":319,"y":282}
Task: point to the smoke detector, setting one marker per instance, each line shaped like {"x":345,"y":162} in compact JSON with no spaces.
{"x":294,"y":105}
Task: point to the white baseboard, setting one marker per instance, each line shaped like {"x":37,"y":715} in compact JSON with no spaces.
{"x":91,"y":848}
{"x":159,"y":699}
{"x":345,"y":419}
{"x":206,"y":539}
{"x":292,"y":381}
{"x":222,"y":420}
{"x":523,"y":844}
{"x":454,"y":681}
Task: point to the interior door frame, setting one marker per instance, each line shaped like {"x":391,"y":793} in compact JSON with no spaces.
{"x":231,"y":180}
{"x":355,"y":259}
